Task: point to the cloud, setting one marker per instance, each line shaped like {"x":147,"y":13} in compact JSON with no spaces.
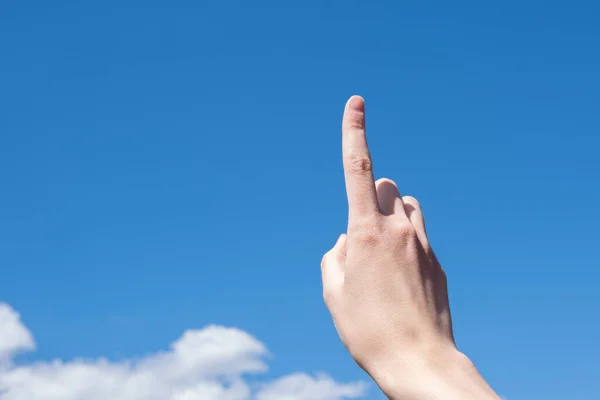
{"x":214,"y":363}
{"x":303,"y":386}
{"x":14,"y":337}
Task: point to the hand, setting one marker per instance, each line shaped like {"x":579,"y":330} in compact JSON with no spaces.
{"x":385,"y":289}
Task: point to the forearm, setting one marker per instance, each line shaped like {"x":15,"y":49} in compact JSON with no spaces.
{"x":445,"y":377}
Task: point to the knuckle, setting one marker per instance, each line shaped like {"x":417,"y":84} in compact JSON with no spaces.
{"x":367,"y":240}
{"x":360,"y":163}
{"x":367,"y":236}
{"x":405,"y":233}
{"x":356,"y":120}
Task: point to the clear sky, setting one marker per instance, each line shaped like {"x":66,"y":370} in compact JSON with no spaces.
{"x":166,"y":166}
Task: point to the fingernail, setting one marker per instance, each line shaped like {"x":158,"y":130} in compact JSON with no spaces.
{"x":356,"y":103}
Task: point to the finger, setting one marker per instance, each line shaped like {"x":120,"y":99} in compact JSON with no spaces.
{"x":388,"y":197}
{"x":332,"y":265}
{"x":415,"y":215}
{"x":358,"y":168}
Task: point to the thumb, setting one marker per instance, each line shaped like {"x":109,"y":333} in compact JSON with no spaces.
{"x":332,"y":265}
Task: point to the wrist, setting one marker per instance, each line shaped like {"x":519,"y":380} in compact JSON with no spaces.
{"x":444,"y":373}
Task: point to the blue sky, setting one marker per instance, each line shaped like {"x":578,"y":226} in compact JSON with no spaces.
{"x":170,"y":165}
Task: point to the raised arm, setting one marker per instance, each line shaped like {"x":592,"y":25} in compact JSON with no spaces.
{"x":387,"y":292}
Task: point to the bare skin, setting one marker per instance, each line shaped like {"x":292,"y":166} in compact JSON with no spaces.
{"x":385,"y":289}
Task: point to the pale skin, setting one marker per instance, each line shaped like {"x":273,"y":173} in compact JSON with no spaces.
{"x":387,"y":292}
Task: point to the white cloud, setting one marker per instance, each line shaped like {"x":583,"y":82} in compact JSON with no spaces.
{"x":214,"y":363}
{"x":14,"y":337}
{"x":303,"y":386}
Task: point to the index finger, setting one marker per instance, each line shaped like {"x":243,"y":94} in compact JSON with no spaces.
{"x":358,"y":168}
